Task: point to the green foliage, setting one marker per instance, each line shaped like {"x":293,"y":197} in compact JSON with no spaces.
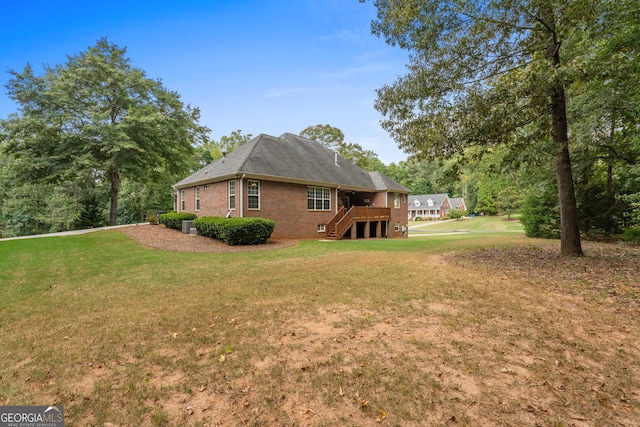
{"x":91,"y":213}
{"x":508,"y":201}
{"x":212,"y":150}
{"x":25,"y":210}
{"x":456,"y":214}
{"x":333,"y":138}
{"x":329,"y":136}
{"x":632,"y":234}
{"x":174,"y":219}
{"x":487,"y":206}
{"x":151,"y":219}
{"x":540,"y":213}
{"x":16,"y":224}
{"x":98,"y":115}
{"x":136,"y":199}
{"x":498,"y":74}
{"x":236,"y":231}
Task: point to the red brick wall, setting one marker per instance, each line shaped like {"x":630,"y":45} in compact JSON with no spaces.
{"x":286,"y":204}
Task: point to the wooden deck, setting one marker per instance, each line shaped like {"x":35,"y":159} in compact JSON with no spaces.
{"x":342,"y":222}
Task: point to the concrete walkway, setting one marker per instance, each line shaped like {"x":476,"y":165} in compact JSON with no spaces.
{"x":70,"y":233}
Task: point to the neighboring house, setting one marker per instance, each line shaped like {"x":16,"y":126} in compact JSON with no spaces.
{"x":429,"y":206}
{"x":307,"y":189}
{"x":457,"y":203}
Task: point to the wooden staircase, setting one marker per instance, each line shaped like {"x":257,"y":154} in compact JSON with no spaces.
{"x":338,"y":226}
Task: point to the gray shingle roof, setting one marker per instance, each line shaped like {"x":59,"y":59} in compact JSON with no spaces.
{"x":456,"y":202}
{"x":437,"y":199}
{"x":290,"y":158}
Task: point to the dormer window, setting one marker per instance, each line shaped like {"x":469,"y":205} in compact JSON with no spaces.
{"x":430,"y":202}
{"x":416,"y":203}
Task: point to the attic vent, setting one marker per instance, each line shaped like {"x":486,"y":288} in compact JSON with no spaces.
{"x":206,"y":186}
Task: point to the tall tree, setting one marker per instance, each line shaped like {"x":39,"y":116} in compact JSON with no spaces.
{"x":485,"y":73}
{"x":212,"y":150}
{"x":333,"y":138}
{"x":329,"y":136}
{"x":99,"y":113}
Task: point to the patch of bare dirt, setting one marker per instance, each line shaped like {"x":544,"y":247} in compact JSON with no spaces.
{"x":608,"y":270}
{"x":161,"y":237}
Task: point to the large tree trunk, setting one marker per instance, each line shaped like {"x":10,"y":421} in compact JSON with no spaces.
{"x":114,"y":177}
{"x":569,"y":228}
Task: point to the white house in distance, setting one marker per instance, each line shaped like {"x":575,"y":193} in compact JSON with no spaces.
{"x":433,"y":206}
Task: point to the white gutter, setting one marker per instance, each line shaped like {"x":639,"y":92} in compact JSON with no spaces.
{"x":241,"y":196}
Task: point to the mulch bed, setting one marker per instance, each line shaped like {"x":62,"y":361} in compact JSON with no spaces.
{"x":160,"y":237}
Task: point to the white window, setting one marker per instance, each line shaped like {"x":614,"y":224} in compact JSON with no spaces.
{"x":321,"y":228}
{"x":231,"y":190}
{"x":182,"y":205}
{"x":253,"y":194}
{"x":197,"y":198}
{"x":397,"y":226}
{"x":318,"y":199}
{"x":396,"y":200}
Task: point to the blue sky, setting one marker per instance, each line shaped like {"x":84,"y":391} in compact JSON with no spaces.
{"x":259,"y":66}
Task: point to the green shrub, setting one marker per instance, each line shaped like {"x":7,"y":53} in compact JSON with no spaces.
{"x":456,"y":214}
{"x":541,"y":213}
{"x":174,"y":220}
{"x":632,"y":234}
{"x":151,"y":219}
{"x":236,"y":231}
{"x":210,"y":226}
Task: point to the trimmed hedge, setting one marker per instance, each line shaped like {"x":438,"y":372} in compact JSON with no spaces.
{"x":174,"y":219}
{"x":235,"y":231}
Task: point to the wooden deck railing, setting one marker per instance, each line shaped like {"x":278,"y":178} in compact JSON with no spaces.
{"x":341,"y":222}
{"x":332,"y":222}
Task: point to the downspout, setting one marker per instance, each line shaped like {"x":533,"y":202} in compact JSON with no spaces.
{"x":337,"y":197}
{"x":242,"y":196}
{"x":386,"y":205}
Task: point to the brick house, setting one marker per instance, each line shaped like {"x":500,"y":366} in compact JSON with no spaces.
{"x":458,"y":203}
{"x":307,"y":189}
{"x":429,"y":206}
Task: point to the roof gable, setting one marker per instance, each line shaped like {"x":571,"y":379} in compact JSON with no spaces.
{"x":423,"y":201}
{"x":456,"y":202}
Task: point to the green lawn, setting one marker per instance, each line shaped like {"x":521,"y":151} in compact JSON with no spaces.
{"x":478,"y":223}
{"x":375,"y":332}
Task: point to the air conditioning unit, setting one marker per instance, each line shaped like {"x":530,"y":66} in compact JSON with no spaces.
{"x":187,"y":225}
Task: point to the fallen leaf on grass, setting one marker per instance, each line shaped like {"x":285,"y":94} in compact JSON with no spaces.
{"x":221,"y":358}
{"x":383,"y":414}
{"x":202,"y":388}
{"x":341,"y":392}
{"x":364,"y":403}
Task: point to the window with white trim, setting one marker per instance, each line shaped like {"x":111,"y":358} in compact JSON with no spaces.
{"x":322,"y":228}
{"x":253,"y":194}
{"x":396,"y":200}
{"x":182,"y":198}
{"x":318,"y":199}
{"x":231,"y":191}
{"x":397,"y":226}
{"x":197,"y":198}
